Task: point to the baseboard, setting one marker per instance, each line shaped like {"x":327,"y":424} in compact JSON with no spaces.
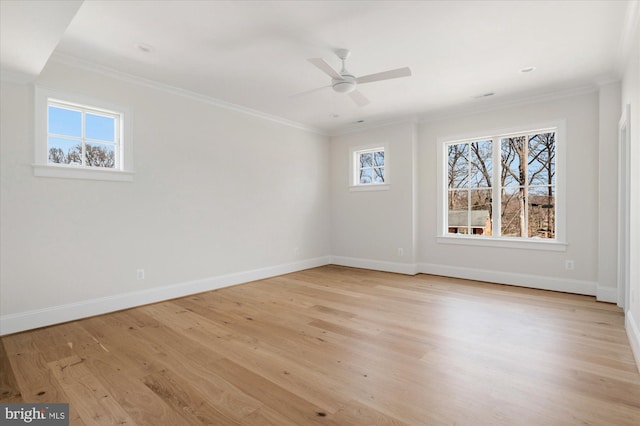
{"x":376,"y":265}
{"x":590,"y":288}
{"x":510,"y":278}
{"x":28,"y":320}
{"x":14,"y":323}
{"x":633,"y":332}
{"x":607,"y":294}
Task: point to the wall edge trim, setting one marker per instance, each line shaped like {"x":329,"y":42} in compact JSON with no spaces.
{"x":633,"y":333}
{"x":540,"y":282}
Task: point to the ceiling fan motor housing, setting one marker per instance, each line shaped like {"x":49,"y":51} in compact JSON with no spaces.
{"x":345,"y":85}
{"x":345,"y":82}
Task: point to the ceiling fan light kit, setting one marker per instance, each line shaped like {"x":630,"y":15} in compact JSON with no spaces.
{"x":345,"y":82}
{"x":345,"y":85}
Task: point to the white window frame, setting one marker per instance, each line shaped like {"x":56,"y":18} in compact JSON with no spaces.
{"x":354,"y":180}
{"x":124,"y":143}
{"x":557,"y":244}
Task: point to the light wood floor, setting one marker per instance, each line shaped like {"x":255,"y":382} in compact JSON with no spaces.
{"x":337,"y":346}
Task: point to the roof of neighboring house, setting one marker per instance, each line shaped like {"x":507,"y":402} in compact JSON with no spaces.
{"x":459,"y":218}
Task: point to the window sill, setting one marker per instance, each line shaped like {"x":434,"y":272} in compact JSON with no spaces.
{"x":370,"y":187}
{"x":529,"y":244}
{"x":86,"y":173}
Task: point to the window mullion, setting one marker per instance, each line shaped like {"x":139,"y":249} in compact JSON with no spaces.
{"x":496,"y":202}
{"x":468,"y":188}
{"x":525,"y":184}
{"x":83,"y":150}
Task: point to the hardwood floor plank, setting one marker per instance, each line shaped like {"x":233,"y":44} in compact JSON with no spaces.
{"x":355,"y":413}
{"x":289,"y":404}
{"x":265,"y":416}
{"x":35,"y":380}
{"x":92,"y":400}
{"x":251,"y":353}
{"x":177,"y":393}
{"x":118,"y":376}
{"x":9,"y":391}
{"x":157,"y":349}
{"x":227,"y":398}
{"x":342,"y":346}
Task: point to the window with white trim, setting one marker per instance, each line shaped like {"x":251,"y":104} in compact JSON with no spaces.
{"x":502,"y":186}
{"x":369,"y":167}
{"x":81,"y":137}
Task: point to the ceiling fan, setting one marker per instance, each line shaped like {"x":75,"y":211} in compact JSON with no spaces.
{"x":345,"y":82}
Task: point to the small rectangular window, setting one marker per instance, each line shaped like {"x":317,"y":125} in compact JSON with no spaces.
{"x":79,"y":135}
{"x":370,"y":167}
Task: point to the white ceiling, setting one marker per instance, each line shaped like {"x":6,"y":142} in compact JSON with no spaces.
{"x":29,"y":32}
{"x":254,"y":53}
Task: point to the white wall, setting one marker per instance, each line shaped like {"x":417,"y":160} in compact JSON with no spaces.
{"x":631,"y":96}
{"x":368,"y":227}
{"x":216,"y":193}
{"x":608,"y":114}
{"x":523,"y":266}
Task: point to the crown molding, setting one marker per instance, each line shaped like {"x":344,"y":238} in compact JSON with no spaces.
{"x":73,"y":61}
{"x":462,"y":111}
{"x":507,"y":103}
{"x":342,"y":131}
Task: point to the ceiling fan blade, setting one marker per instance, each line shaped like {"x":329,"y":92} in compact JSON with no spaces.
{"x":386,"y":75}
{"x":325,"y":67}
{"x":308,"y":92}
{"x":359,"y":98}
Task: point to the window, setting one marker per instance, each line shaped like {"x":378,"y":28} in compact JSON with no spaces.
{"x":469,"y":197}
{"x":78,"y":137}
{"x":82,"y":136}
{"x":369,"y":166}
{"x":503,"y":186}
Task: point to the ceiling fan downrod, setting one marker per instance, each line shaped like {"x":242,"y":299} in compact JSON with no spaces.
{"x":348,"y":82}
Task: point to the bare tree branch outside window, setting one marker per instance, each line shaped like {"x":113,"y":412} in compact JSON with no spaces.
{"x":370,"y":167}
{"x":95,"y":155}
{"x":526,"y":186}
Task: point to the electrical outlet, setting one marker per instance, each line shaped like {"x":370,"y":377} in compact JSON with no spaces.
{"x":140,"y":274}
{"x":569,"y":265}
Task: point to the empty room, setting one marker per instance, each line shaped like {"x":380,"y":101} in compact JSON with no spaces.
{"x":319,"y":212}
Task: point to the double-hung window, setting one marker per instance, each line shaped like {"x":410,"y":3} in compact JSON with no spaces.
{"x":81,"y":137}
{"x":503,"y":186}
{"x":469,"y":193}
